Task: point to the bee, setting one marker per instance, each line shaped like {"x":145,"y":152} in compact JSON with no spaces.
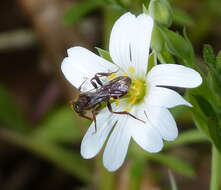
{"x":92,"y":100}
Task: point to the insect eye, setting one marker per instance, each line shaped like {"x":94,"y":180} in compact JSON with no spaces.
{"x":77,"y":108}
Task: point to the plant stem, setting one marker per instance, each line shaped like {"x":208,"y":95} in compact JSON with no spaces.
{"x":215,"y":169}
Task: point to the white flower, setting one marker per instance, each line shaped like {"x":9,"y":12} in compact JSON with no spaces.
{"x":147,"y":100}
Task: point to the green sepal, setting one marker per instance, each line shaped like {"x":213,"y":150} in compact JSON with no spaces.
{"x":157,"y":41}
{"x":105,"y":54}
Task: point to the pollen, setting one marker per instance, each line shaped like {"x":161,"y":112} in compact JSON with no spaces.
{"x":112,"y":76}
{"x":125,"y":74}
{"x":128,"y":108}
{"x":117,"y":101}
{"x":137,"y":91}
{"x":131,"y":69}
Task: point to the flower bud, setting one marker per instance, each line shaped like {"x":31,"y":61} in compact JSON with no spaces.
{"x":162,"y":12}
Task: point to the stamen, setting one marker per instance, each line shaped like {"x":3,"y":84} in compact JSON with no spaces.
{"x":131,"y":69}
{"x":117,"y":101}
{"x":137,"y":91}
{"x":112,"y":76}
{"x":133,"y":99}
{"x":128,"y":108}
{"x":125,"y":74}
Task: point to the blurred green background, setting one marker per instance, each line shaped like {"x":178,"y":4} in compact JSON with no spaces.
{"x":40,"y":135}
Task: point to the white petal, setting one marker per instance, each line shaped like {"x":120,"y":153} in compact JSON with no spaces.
{"x":174,"y":75}
{"x":117,"y":145}
{"x":146,"y":135}
{"x":82,"y":64}
{"x":120,"y":39}
{"x":93,"y":141}
{"x":140,"y":45}
{"x":164,"y":97}
{"x":130,"y":42}
{"x":163,"y":121}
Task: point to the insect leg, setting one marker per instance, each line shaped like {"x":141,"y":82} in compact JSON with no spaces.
{"x":122,"y":112}
{"x":97,"y":75}
{"x":79,"y":89}
{"x":85,"y":116}
{"x":97,"y":80}
{"x":94,"y":113}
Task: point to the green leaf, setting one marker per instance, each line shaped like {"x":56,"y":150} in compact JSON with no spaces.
{"x":218,"y":62}
{"x":105,"y":54}
{"x":177,"y":165}
{"x":174,"y":163}
{"x":136,"y":172}
{"x":199,"y":117}
{"x":182,"y":18}
{"x":80,"y":9}
{"x":205,"y":106}
{"x":172,"y":181}
{"x":215,"y":132}
{"x":165,"y":57}
{"x":210,"y":59}
{"x":60,"y":126}
{"x":187,"y":137}
{"x":177,"y":45}
{"x":64,"y":158}
{"x":209,"y":56}
{"x":145,"y":9}
{"x":10,"y":115}
{"x":121,"y":4}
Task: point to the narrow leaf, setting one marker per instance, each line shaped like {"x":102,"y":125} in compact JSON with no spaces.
{"x":78,"y":10}
{"x":177,"y":165}
{"x":172,"y":181}
{"x":215,"y":132}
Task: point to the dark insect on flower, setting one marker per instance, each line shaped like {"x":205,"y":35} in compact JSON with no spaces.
{"x":91,"y":101}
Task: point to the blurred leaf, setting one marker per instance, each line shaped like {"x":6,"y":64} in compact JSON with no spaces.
{"x":209,"y":56}
{"x":165,"y":57}
{"x":182,"y":18}
{"x":144,"y":9}
{"x":215,"y":132}
{"x":10,"y":115}
{"x":187,"y":137}
{"x":205,"y":106}
{"x":218,"y":62}
{"x":136,"y":172}
{"x":80,"y":9}
{"x":191,"y":64}
{"x":64,"y":158}
{"x":174,"y":163}
{"x":177,"y":45}
{"x":177,"y":165}
{"x":105,"y":54}
{"x":60,"y":126}
{"x":199,"y":117}
{"x":210,"y":59}
{"x":121,"y":4}
{"x":172,"y":181}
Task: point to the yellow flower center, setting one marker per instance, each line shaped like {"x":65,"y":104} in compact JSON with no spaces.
{"x":137,"y":91}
